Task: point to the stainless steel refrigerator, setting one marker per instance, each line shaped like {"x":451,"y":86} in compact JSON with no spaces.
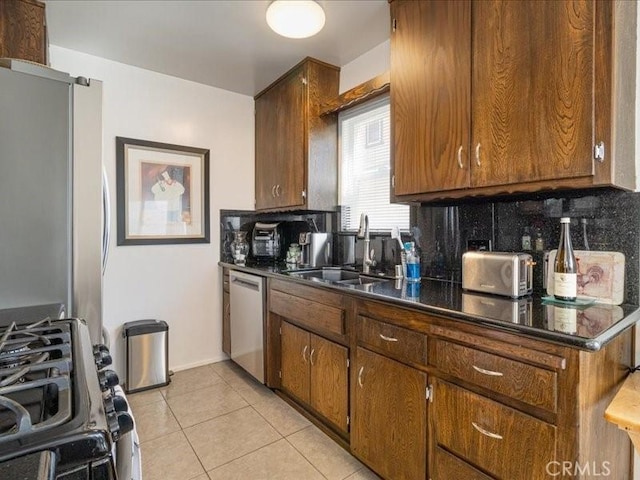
{"x":52,"y":225}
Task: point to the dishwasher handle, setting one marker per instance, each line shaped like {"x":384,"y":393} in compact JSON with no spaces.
{"x":246,"y":283}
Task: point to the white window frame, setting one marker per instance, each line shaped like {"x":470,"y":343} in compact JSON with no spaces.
{"x":348,"y":114}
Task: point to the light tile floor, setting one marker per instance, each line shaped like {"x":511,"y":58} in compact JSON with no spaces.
{"x":217,"y":423}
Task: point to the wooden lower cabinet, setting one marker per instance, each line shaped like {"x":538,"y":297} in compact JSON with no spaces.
{"x":491,"y":436}
{"x":432,"y":398}
{"x":447,"y":466}
{"x":389,"y":427}
{"x":315,"y":371}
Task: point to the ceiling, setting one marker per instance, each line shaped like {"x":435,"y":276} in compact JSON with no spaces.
{"x":222,"y":43}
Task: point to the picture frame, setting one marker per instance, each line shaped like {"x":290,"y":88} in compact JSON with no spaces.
{"x":162,"y":193}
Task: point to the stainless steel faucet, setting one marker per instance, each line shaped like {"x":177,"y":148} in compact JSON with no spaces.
{"x":363,"y":232}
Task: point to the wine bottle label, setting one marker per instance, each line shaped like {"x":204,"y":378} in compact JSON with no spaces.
{"x":565,"y":319}
{"x":565,"y":284}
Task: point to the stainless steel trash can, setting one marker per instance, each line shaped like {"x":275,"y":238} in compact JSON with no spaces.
{"x":147,"y":354}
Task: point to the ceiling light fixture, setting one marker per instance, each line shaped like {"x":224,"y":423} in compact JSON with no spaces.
{"x":295,"y":18}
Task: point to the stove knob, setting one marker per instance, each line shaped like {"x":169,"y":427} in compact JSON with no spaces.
{"x":125,"y":423}
{"x":119,"y":403}
{"x":102,"y":358}
{"x":108,"y":379}
{"x":119,"y":425}
{"x":100,"y":348}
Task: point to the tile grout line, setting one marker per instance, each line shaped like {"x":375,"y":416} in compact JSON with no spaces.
{"x":244,"y":455}
{"x":304,"y":456}
{"x":275,"y":428}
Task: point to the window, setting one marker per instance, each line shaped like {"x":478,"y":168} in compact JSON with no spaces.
{"x":365,"y":142}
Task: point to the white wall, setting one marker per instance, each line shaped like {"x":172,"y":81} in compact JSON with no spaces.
{"x":368,"y":65}
{"x":179,"y":284}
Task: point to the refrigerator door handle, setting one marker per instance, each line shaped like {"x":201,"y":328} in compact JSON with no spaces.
{"x":106,"y":219}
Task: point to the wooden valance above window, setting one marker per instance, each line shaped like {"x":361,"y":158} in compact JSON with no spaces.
{"x":365,"y":91}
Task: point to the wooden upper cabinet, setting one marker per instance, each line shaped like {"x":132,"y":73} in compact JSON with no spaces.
{"x":23,"y":31}
{"x":296,"y":149}
{"x":532,"y":91}
{"x":430,"y":95}
{"x":524,"y":91}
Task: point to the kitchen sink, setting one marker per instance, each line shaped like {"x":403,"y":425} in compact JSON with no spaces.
{"x":362,"y":280}
{"x":337,"y":276}
{"x":327,"y":274}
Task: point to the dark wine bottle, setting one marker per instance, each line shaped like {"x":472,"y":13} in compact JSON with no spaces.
{"x":565,"y":268}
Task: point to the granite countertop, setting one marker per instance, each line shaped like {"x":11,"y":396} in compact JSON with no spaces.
{"x":594,"y":324}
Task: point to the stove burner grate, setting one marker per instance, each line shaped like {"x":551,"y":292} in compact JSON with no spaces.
{"x":35,"y":378}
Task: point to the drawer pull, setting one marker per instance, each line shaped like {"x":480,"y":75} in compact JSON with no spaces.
{"x":304,"y":353}
{"x":360,"y":376}
{"x":387,"y":339}
{"x":487,"y":372}
{"x":311,"y":355}
{"x":485,"y":432}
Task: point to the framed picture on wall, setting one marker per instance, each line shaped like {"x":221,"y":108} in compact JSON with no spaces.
{"x":162,"y":193}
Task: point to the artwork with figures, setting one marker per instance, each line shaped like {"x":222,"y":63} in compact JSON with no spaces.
{"x":166,"y":194}
{"x":163,"y":193}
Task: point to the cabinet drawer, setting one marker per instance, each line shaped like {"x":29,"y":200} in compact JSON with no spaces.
{"x":398,"y":342}
{"x":447,"y":467}
{"x":532,"y":385}
{"x":315,"y":315}
{"x":491,"y":436}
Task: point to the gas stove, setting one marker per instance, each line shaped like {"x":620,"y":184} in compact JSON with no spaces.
{"x":57,"y":402}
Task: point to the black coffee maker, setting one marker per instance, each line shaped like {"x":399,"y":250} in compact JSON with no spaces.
{"x":266,"y":241}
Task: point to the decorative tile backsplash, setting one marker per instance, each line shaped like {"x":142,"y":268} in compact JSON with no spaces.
{"x":606,"y":220}
{"x":602,"y":220}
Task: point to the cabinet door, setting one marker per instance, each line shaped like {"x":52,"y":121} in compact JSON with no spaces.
{"x":280,"y":143}
{"x":329,"y":380}
{"x":266,"y":150}
{"x":290,"y":160}
{"x":532,"y":91}
{"x":295,"y":351}
{"x":430,"y":95}
{"x":388,"y":429}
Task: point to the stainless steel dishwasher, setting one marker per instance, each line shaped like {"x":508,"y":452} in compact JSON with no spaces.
{"x":247,"y":294}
